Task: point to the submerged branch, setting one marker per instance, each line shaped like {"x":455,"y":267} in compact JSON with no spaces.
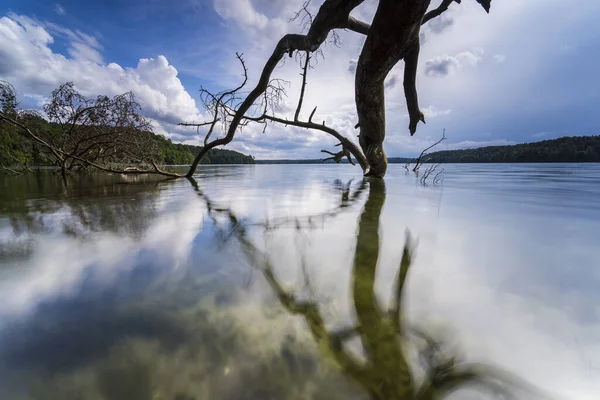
{"x":418,"y":163}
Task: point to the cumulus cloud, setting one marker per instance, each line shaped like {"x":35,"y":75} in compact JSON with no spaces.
{"x":81,"y":46}
{"x":254,"y":26}
{"x":27,"y":61}
{"x":440,"y":66}
{"x":444,"y":65}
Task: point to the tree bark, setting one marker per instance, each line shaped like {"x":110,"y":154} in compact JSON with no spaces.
{"x":393,"y":35}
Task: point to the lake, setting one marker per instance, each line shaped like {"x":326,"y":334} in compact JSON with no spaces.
{"x":275,"y":281}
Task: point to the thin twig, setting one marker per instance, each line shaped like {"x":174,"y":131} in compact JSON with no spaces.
{"x":418,"y":164}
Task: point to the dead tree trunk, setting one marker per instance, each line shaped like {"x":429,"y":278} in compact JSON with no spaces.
{"x":394,"y":35}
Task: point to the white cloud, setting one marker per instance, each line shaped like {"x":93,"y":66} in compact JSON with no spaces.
{"x":440,"y":24}
{"x":27,"y":61}
{"x":253,"y":28}
{"x":83,"y":52}
{"x":432,"y":112}
{"x":472,"y":274}
{"x":60,"y":265}
{"x":241,"y":12}
{"x":446,"y":65}
{"x":81,"y":46}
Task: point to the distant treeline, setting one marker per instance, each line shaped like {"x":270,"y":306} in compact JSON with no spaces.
{"x":310,"y":161}
{"x":391,"y":160}
{"x":168,"y":153}
{"x":183,"y":154}
{"x":565,"y":149}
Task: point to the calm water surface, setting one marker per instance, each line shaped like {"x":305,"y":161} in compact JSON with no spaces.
{"x":119,"y":288}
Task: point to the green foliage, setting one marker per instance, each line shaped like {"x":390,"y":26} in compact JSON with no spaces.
{"x":565,"y":149}
{"x":15,"y":149}
{"x":183,"y":154}
{"x":78,"y":131}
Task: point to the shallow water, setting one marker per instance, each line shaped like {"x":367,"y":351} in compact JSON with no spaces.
{"x":117,"y":287}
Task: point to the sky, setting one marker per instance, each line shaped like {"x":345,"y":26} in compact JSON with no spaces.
{"x":525,"y":72}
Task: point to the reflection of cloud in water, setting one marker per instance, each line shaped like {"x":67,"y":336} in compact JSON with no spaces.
{"x":536,"y":340}
{"x":517,"y":287}
{"x":516,"y":283}
{"x":59,"y":264}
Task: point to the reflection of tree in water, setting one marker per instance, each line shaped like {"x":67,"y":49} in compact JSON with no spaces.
{"x":385,"y":371}
{"x":224,"y":351}
{"x":174,"y":339}
{"x":76,"y":207}
{"x":195,"y":353}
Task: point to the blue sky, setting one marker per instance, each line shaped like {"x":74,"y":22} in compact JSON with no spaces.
{"x":525,"y":72}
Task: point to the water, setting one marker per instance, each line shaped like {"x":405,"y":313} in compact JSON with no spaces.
{"x":117,"y":287}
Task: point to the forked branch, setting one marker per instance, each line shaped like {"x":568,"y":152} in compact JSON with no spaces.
{"x":339,"y":156}
{"x":419,"y":163}
{"x":400,"y":20}
{"x":438,"y":11}
{"x":333,"y":14}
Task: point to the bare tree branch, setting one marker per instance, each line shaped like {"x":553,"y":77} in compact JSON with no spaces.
{"x":333,"y":14}
{"x":428,"y":172}
{"x":411,"y":60}
{"x":392,"y":36}
{"x":358,"y":26}
{"x":438,"y":11}
{"x":337,"y":157}
{"x":418,"y":164}
{"x":10,"y":170}
{"x":301,"y":98}
{"x":443,"y":7}
{"x":347,"y":144}
{"x":312,"y":114}
{"x":195,"y":123}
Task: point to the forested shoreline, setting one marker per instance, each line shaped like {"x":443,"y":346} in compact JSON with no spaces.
{"x":165,"y":152}
{"x":564,"y":149}
{"x":184,"y":154}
